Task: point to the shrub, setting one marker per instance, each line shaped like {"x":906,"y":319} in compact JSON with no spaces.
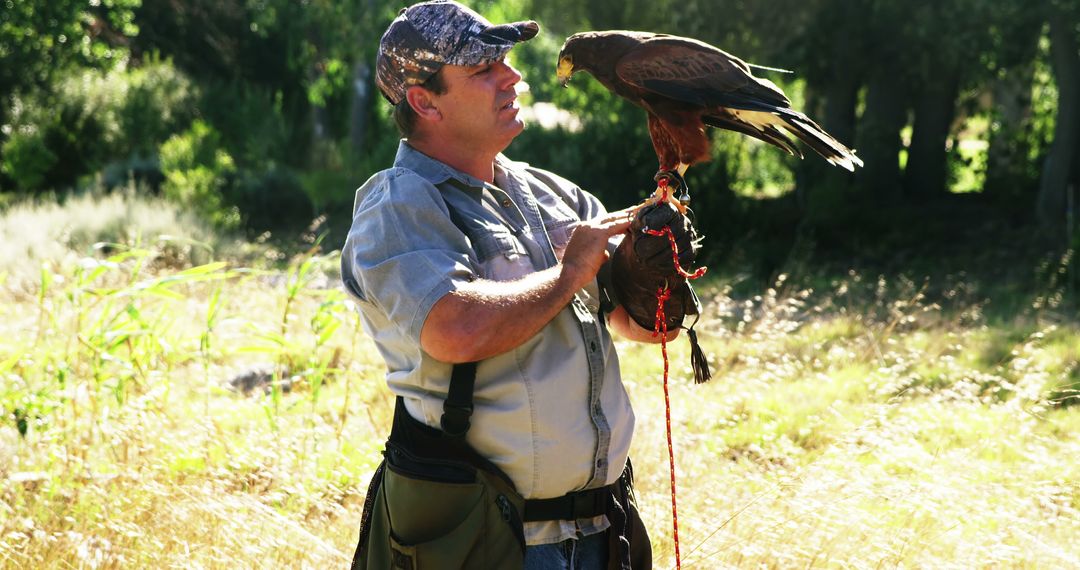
{"x":89,"y":118}
{"x":270,"y":199}
{"x":252,"y":122}
{"x":159,"y":100}
{"x":27,"y":159}
{"x":197,"y":171}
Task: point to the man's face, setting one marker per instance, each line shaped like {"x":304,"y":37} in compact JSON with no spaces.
{"x":479,"y":106}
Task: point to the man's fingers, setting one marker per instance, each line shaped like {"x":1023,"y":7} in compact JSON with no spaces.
{"x":616,"y":226}
{"x":624,"y":214}
{"x":610,"y":219}
{"x":608,"y":225}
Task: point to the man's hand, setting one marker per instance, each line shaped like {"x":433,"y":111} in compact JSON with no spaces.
{"x":587,"y":248}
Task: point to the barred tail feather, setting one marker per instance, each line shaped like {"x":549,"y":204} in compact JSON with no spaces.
{"x":822,"y":142}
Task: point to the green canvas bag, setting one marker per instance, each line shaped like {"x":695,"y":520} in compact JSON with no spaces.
{"x":420,"y":523}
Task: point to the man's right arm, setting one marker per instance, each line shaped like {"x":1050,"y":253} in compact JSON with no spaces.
{"x":483,"y":318}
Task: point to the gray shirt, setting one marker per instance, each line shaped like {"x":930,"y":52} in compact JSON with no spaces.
{"x":553,"y":412}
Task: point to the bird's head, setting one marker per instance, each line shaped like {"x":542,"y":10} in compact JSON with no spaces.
{"x":576,"y":55}
{"x":565,"y":67}
{"x":594,"y":52}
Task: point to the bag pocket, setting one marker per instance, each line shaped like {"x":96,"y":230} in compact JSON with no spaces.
{"x":422,"y":509}
{"x":437,"y":525}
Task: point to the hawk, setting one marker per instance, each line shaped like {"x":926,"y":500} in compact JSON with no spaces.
{"x":686,"y":85}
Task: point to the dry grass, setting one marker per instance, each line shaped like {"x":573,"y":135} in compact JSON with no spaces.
{"x":849,"y":440}
{"x":860,"y":425}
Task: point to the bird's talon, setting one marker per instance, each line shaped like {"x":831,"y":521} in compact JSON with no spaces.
{"x":668,"y":178}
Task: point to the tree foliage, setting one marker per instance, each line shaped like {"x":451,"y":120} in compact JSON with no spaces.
{"x":38,"y":39}
{"x":286,"y":88}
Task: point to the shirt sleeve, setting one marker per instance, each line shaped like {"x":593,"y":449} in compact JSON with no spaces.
{"x":404,"y":252}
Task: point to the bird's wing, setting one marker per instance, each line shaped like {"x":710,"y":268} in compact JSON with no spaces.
{"x":695,"y":72}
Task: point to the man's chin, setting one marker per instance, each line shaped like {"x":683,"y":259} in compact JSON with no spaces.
{"x":512,"y":130}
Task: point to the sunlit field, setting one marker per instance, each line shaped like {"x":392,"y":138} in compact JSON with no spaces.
{"x":168,"y":399}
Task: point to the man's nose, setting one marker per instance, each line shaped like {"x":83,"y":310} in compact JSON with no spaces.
{"x":510,"y":76}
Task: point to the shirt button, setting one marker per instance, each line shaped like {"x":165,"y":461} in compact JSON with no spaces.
{"x":506,"y":202}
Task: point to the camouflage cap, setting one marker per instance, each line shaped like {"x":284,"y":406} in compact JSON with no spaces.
{"x":426,"y":36}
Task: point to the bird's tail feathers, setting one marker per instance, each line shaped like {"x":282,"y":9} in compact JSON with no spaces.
{"x":780,"y":139}
{"x":822,"y":142}
{"x":769,"y":134}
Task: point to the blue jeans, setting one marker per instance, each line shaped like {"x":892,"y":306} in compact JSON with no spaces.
{"x":586,"y":553}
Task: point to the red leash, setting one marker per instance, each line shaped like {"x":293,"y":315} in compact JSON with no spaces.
{"x":675,"y":253}
{"x":663,"y":184}
{"x":660,"y":328}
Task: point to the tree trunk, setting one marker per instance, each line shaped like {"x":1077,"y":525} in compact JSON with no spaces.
{"x":5,"y":182}
{"x":1007,"y":158}
{"x":320,"y":132}
{"x":841,"y":97}
{"x":1011,"y":179}
{"x":879,"y":137}
{"x":1059,"y":170}
{"x":806,"y":175}
{"x":361,"y":101}
{"x":925,"y":175}
{"x":820,"y":187}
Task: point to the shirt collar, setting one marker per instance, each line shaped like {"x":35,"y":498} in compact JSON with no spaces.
{"x":437,"y":172}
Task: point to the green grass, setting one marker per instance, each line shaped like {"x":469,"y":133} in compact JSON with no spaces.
{"x":856,"y":424}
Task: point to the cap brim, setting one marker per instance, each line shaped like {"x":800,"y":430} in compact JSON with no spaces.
{"x":494,"y":42}
{"x":515,"y":32}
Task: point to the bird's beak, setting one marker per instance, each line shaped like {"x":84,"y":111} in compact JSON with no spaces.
{"x":565,"y":69}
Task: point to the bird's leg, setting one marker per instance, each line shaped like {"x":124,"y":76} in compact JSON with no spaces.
{"x":684,"y":196}
{"x":669,"y":182}
{"x":661,"y":193}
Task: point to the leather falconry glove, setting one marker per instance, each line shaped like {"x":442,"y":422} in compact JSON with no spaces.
{"x":643,"y":264}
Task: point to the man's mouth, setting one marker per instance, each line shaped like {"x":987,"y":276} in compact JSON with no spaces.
{"x":509,"y":104}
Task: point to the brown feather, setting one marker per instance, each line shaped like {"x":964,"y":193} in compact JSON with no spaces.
{"x":685,"y":85}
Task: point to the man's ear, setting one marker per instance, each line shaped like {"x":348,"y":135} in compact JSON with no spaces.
{"x":423,"y":103}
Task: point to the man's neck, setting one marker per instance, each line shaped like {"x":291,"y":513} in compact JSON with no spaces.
{"x":477,"y":164}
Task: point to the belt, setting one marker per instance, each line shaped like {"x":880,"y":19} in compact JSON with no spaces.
{"x":583,"y":504}
{"x":426,"y":452}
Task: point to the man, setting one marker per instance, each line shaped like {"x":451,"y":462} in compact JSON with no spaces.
{"x":459,"y":255}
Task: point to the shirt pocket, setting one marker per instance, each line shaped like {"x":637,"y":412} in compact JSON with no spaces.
{"x":502,"y":256}
{"x":559,"y":232}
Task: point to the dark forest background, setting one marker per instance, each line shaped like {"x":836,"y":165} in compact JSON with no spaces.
{"x":262,"y":115}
